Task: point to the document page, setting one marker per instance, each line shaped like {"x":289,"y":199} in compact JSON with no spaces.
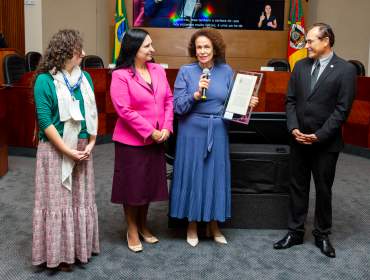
{"x":241,"y":94}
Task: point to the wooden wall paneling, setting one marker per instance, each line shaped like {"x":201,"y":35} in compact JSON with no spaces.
{"x":12,"y":23}
{"x":237,"y":63}
{"x":1,"y":17}
{"x":246,"y":49}
{"x":246,"y":63}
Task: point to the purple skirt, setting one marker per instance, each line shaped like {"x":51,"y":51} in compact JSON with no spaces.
{"x":139,"y":174}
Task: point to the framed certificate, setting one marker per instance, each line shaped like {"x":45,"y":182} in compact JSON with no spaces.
{"x":245,"y":85}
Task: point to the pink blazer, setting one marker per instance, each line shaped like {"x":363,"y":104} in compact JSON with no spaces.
{"x":140,"y":108}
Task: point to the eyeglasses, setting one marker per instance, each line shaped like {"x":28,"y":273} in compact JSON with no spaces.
{"x":309,"y":41}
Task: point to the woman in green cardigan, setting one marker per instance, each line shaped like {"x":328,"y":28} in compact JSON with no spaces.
{"x":65,"y":218}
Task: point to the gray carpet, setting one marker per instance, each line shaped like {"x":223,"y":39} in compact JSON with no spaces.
{"x":249,"y":254}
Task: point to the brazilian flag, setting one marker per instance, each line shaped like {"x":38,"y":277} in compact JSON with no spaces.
{"x":120,"y":27}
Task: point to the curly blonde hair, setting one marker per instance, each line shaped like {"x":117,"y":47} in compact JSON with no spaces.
{"x":62,"y":46}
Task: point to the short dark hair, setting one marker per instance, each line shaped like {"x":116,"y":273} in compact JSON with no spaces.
{"x":216,"y":39}
{"x":131,"y":43}
{"x":325,"y":31}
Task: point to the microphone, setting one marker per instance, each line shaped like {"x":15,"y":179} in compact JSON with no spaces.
{"x":206,"y":74}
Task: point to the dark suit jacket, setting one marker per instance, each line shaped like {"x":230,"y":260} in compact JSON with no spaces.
{"x":323,"y":110}
{"x":181,"y":6}
{"x":158,"y":14}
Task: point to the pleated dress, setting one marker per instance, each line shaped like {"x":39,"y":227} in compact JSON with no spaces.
{"x":200,"y":189}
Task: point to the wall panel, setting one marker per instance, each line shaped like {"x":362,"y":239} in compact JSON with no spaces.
{"x":12,"y":23}
{"x":246,"y":49}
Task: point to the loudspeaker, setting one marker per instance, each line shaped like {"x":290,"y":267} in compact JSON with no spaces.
{"x":259,"y":168}
{"x":259,"y":187}
{"x":258,"y":211}
{"x":253,"y":211}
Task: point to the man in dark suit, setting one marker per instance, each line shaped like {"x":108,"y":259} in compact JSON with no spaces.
{"x":158,"y":12}
{"x":320,"y":95}
{"x":188,"y":8}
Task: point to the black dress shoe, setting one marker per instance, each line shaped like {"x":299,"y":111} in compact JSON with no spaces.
{"x":289,"y":240}
{"x":325,"y":246}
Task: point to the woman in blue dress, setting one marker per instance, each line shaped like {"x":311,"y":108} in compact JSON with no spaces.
{"x":201,"y":184}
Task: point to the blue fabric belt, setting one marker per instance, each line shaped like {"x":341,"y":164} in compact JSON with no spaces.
{"x":210,"y":136}
{"x":210,"y":131}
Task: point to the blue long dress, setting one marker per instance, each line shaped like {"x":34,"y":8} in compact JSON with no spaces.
{"x":200,"y":188}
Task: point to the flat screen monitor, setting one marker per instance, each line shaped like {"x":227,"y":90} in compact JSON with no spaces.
{"x":221,"y":14}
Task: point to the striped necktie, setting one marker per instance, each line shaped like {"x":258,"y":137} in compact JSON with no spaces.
{"x":315,"y":74}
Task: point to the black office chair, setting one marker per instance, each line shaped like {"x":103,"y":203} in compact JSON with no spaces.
{"x":360,"y":68}
{"x":14,"y":68}
{"x":32,"y":60}
{"x":92,"y":61}
{"x":279,"y":64}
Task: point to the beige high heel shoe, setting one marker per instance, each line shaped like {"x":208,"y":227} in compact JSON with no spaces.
{"x":134,"y":248}
{"x":149,"y":239}
{"x":192,"y":241}
{"x":217,"y":238}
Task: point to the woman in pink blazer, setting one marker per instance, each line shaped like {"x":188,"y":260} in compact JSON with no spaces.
{"x":144,"y":103}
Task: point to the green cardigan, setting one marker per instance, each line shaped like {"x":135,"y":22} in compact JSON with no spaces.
{"x":46,"y":102}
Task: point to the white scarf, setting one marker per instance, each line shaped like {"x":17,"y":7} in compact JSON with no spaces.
{"x":71,"y":115}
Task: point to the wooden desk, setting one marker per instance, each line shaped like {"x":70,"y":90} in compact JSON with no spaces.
{"x":356,"y":130}
{"x":107,"y":115}
{"x":21,"y":115}
{"x":21,"y":112}
{"x":3,"y":135}
{"x":3,"y":53}
{"x":272,"y":92}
